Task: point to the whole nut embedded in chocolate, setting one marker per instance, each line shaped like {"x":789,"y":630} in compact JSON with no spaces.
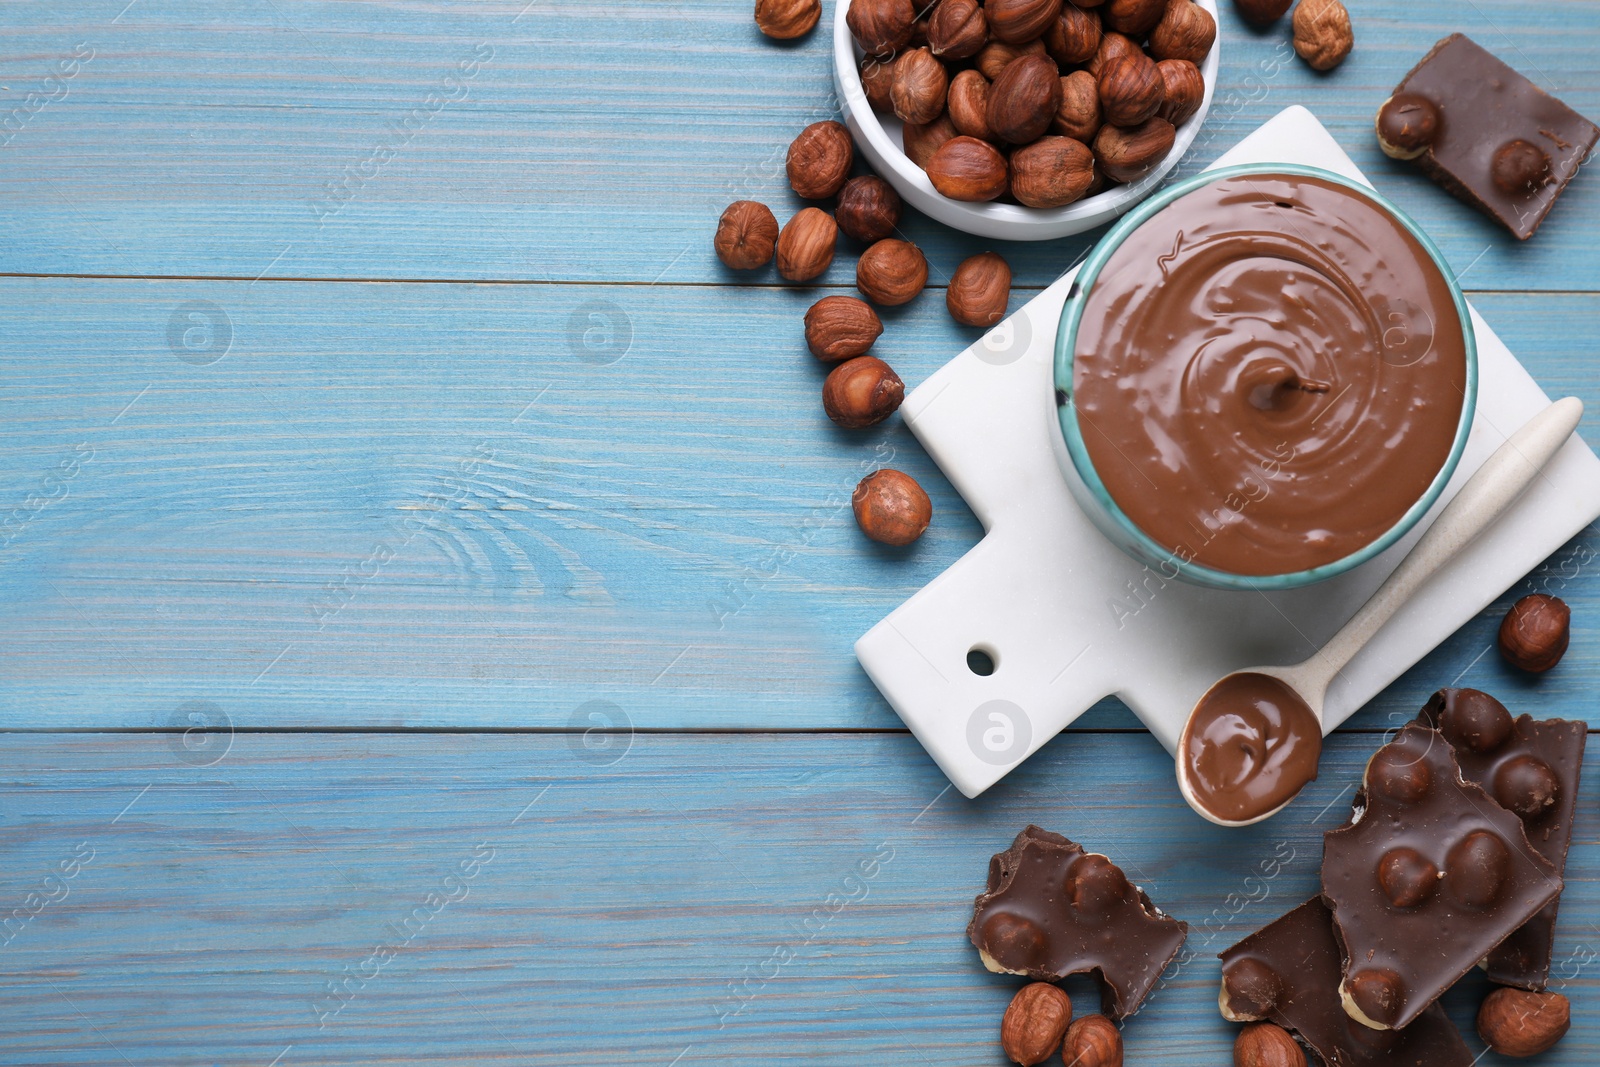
{"x":1261,"y":12}
{"x":862,"y":392}
{"x":1024,"y":99}
{"x":1323,"y":35}
{"x":746,"y":235}
{"x":1515,"y":1022}
{"x":1092,"y":1041}
{"x":921,"y":141}
{"x":1132,"y":17}
{"x":1251,"y":990}
{"x":979,"y":290}
{"x":920,"y":83}
{"x":892,"y":272}
{"x":1535,"y":632}
{"x":1183,"y":90}
{"x":840,"y":328}
{"x":1035,"y":1023}
{"x":1406,"y":125}
{"x":1079,"y":115}
{"x":806,"y":244}
{"x":957,"y":29}
{"x":1074,"y":37}
{"x":880,"y":27}
{"x":819,"y":159}
{"x":1130,"y":89}
{"x":1519,"y":168}
{"x":1020,"y":21}
{"x":965,"y":168}
{"x":996,"y":56}
{"x":877,"y":78}
{"x":785,"y":20}
{"x":1126,"y":155}
{"x":969,"y":104}
{"x":1051,"y":172}
{"x":1186,"y":31}
{"x":1267,"y":1045}
{"x":869,"y":208}
{"x":891,"y":508}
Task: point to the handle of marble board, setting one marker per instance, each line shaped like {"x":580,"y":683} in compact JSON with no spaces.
{"x":1487,"y":494}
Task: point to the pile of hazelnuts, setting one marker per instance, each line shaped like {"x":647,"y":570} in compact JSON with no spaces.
{"x":861,"y":390}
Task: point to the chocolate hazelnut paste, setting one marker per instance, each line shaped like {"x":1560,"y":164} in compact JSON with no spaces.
{"x":1268,"y":373}
{"x":1250,"y":745}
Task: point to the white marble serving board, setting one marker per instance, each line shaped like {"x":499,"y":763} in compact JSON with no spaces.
{"x":1070,"y":619}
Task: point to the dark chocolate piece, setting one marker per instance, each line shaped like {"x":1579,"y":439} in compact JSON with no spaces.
{"x":1289,"y":972}
{"x":1493,"y":138}
{"x":1429,"y":876}
{"x":1051,"y":909}
{"x":1531,"y":767}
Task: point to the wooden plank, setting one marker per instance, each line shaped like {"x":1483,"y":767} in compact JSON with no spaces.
{"x":426,"y":505}
{"x":577,"y":142}
{"x":723,"y":899}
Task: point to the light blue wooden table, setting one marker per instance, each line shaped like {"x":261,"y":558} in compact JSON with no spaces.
{"x":378,"y":424}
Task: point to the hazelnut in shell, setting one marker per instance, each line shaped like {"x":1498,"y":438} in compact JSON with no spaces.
{"x":957,"y":29}
{"x":877,"y":78}
{"x":1515,"y":1022}
{"x":1126,"y":155}
{"x":862,"y":392}
{"x":1024,"y":99}
{"x":881,"y":27}
{"x":806,"y":244}
{"x":921,"y":141}
{"x":996,"y":56}
{"x":1130,"y":89}
{"x":1186,"y":31}
{"x":820,"y":159}
{"x":1092,"y":1041}
{"x":1074,"y":37}
{"x":1051,"y":172}
{"x":1112,"y":45}
{"x":920,"y":83}
{"x":1183,"y":88}
{"x":1035,"y":1022}
{"x":979,"y":290}
{"x":1132,"y":17}
{"x":891,"y":508}
{"x":969,"y":104}
{"x":965,"y":168}
{"x":1323,"y":36}
{"x":891,"y":272}
{"x":869,"y":208}
{"x":746,"y":235}
{"x":784,"y":20}
{"x":1020,"y":21}
{"x":1079,"y":115}
{"x":840,"y":328}
{"x":1267,"y":1045}
{"x":1535,"y":632}
{"x":1261,"y":12}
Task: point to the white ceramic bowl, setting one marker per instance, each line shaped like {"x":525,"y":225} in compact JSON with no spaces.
{"x":878,"y":139}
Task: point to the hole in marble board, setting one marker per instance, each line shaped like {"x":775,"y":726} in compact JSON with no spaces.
{"x":981,"y":661}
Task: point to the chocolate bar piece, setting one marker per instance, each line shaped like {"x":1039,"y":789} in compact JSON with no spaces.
{"x":1531,"y":767}
{"x":1429,"y":875}
{"x":1051,"y":909}
{"x":1289,"y":972}
{"x":1487,"y":134}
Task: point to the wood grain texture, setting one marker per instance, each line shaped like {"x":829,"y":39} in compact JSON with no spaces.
{"x":580,"y":142}
{"x":756,"y":898}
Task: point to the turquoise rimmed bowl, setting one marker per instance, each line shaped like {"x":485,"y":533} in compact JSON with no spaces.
{"x":1086,"y":485}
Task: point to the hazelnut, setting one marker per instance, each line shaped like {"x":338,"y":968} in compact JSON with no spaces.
{"x":1322,"y":33}
{"x":1112,"y":45}
{"x":805,"y":247}
{"x":1092,"y":1041}
{"x":1051,"y":172}
{"x":891,"y":272}
{"x":746,"y":234}
{"x":1535,"y":632}
{"x":1035,"y":1023}
{"x":1267,"y":1045}
{"x":1519,"y":168}
{"x":1133,"y":17}
{"x":820,"y":159}
{"x":787,"y":19}
{"x":1250,"y":990}
{"x":966,"y":168}
{"x":877,"y":78}
{"x":1126,"y":155}
{"x":869,"y":208}
{"x":1078,"y":116}
{"x":1182,"y":90}
{"x":1406,"y":124}
{"x":979,"y":290}
{"x":1074,"y":37}
{"x":1130,"y":89}
{"x":1373,"y":996}
{"x":957,"y":29}
{"x":1186,"y":31}
{"x":891,"y":507}
{"x":880,"y":27}
{"x":1261,"y":12}
{"x":1024,"y":99}
{"x":919,"y":86}
{"x":862,"y":392}
{"x":969,"y":104}
{"x":921,"y":141}
{"x":997,"y":56}
{"x":1020,"y":21}
{"x":1515,"y":1022}
{"x":840,"y":328}
{"x":919,"y":34}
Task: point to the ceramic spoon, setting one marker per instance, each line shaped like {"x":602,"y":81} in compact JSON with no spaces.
{"x":1265,"y":723}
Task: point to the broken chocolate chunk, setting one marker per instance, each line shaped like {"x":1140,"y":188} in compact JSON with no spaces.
{"x":1289,"y":972}
{"x":1532,"y":768}
{"x":1427,"y":878}
{"x":1487,"y":134}
{"x":1051,"y":909}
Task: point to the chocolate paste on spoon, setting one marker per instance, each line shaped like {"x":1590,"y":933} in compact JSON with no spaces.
{"x":1251,"y":744}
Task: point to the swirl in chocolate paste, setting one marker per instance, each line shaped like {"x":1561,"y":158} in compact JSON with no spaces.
{"x":1250,"y":745}
{"x":1268,"y":373}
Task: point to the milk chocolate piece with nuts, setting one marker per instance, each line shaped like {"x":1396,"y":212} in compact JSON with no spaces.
{"x":1289,"y":972}
{"x":1427,"y":878}
{"x":1487,"y":134}
{"x":1532,"y":768}
{"x":1051,"y":909}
